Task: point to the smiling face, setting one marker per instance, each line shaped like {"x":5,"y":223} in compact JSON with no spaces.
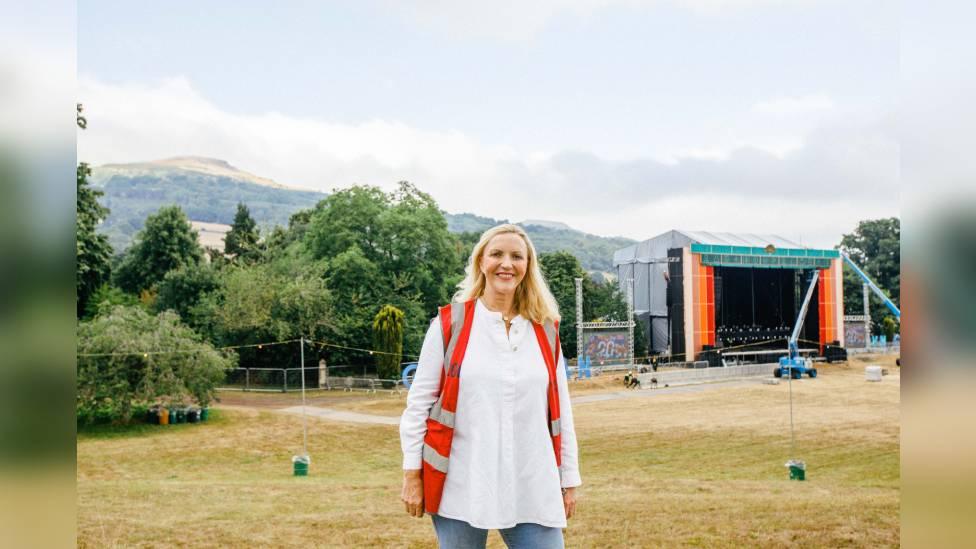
{"x":504,"y":262}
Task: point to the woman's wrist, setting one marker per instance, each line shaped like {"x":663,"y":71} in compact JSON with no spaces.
{"x":411,"y":473}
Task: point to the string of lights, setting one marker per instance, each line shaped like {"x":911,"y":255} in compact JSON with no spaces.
{"x":370,"y":351}
{"x":262,"y":345}
{"x":188,"y":351}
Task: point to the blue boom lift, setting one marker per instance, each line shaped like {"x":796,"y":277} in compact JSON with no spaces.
{"x":794,"y":365}
{"x":874,"y":288}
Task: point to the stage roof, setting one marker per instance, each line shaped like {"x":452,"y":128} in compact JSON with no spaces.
{"x":725,"y":249}
{"x":739,"y":239}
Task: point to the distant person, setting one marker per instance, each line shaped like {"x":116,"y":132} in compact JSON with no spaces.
{"x":487,"y":435}
{"x":634,"y":382}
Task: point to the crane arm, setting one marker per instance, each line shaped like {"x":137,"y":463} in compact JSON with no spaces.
{"x":795,"y":336}
{"x":874,"y":288}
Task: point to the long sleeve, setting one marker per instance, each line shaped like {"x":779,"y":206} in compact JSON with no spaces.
{"x":423,"y":393}
{"x":569,"y":470}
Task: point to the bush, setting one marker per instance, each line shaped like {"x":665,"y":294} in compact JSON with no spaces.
{"x":106,"y":298}
{"x":131,"y":370}
{"x":388,"y":339}
{"x":889,"y":327}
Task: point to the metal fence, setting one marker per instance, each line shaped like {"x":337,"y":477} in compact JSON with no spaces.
{"x":284,"y":380}
{"x":700,"y":375}
{"x":887,"y":349}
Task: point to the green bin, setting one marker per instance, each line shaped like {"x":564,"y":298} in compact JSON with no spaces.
{"x":300,"y":465}
{"x":204,"y":414}
{"x":798,"y":470}
{"x":172,"y":416}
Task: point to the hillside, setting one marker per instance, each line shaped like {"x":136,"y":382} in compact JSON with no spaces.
{"x":594,"y":252}
{"x":208,"y":190}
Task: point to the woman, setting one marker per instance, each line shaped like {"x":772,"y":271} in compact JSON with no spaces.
{"x":496,"y":412}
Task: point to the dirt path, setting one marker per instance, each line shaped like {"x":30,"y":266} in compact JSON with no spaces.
{"x":690,"y":388}
{"x":284,"y":400}
{"x":341,"y":415}
{"x":318,"y":405}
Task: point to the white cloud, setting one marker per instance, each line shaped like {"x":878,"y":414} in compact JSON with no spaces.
{"x":844,"y":171}
{"x":817,"y":224}
{"x":787,"y":106}
{"x":512,"y":20}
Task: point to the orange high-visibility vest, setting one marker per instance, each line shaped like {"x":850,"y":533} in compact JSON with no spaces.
{"x":456,"y":320}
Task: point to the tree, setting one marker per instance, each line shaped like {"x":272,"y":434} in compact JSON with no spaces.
{"x":875,"y":246}
{"x":889,"y":327}
{"x":465,"y":243}
{"x":388,"y":339}
{"x":383,"y":248}
{"x":123,"y":362}
{"x":93,"y":254}
{"x":105,"y":299}
{"x":267,"y":303}
{"x":561,"y":270}
{"x":403,"y":233}
{"x":181,"y":289}
{"x":347,"y":217}
{"x":242,"y":238}
{"x":360,"y":283}
{"x":603,"y":301}
{"x":167,"y":242}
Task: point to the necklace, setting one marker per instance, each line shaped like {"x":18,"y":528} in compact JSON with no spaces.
{"x":505,"y":317}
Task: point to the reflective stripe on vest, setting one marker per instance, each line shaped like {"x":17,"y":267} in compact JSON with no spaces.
{"x":434,"y":459}
{"x":442,"y":416}
{"x":456,"y":320}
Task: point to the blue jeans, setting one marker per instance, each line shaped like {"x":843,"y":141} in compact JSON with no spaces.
{"x":457,"y":534}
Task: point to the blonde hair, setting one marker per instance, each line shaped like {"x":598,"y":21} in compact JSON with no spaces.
{"x":533,"y":300}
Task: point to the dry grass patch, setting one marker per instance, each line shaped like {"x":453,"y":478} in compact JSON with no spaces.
{"x":683,"y":469}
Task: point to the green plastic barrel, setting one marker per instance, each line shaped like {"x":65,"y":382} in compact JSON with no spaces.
{"x":798,"y":470}
{"x":300,"y":465}
{"x":204,"y":414}
{"x":172,"y":416}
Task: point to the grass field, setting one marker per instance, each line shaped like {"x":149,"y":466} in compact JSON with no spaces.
{"x":702,"y":469}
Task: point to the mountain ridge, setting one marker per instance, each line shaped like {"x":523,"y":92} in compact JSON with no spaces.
{"x":209,"y":189}
{"x":199,"y":164}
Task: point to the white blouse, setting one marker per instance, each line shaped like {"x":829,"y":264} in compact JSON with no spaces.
{"x":502,"y":469}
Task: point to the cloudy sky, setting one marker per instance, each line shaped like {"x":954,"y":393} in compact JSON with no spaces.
{"x":624,"y":117}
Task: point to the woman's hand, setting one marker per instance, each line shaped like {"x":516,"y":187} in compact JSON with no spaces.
{"x":413,"y":492}
{"x":569,"y":501}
